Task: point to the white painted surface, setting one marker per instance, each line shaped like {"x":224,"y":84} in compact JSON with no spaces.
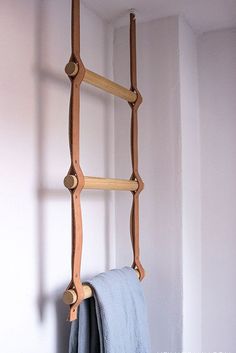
{"x":159,"y":151}
{"x":35,"y":207}
{"x":191,"y":189}
{"x":217,"y":65}
{"x":203,"y":15}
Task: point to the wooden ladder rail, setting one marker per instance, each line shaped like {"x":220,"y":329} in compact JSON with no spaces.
{"x":75,"y":181}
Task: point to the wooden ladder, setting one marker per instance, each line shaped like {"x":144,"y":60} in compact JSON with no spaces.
{"x":75,"y":181}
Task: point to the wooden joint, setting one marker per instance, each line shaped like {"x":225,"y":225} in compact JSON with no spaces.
{"x":69,"y":297}
{"x":135,"y":104}
{"x":71,"y":69}
{"x":70,"y":182}
{"x":140,"y":184}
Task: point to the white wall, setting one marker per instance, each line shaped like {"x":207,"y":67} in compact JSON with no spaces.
{"x":189,"y":259}
{"x":217,"y":66}
{"x":34,"y":154}
{"x":191,"y":189}
{"x":160,"y":152}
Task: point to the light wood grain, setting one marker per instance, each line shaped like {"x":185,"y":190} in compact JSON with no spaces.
{"x":109,"y":86}
{"x":71,"y":182}
{"x":69,"y":297}
{"x":110,"y":184}
{"x":71,"y":69}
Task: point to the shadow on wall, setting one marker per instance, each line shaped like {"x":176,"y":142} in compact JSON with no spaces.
{"x":45,"y":194}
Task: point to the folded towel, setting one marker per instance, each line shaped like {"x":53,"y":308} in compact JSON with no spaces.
{"x":115,"y":319}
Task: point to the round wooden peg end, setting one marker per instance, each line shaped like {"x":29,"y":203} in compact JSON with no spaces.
{"x":70,"y":181}
{"x":71,"y":68}
{"x":69,"y":297}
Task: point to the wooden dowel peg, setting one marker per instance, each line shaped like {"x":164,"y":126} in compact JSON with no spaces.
{"x":109,"y":86}
{"x":110,"y":184}
{"x":88,"y":293}
{"x":69,"y":297}
{"x":71,"y":69}
{"x":70,"y":182}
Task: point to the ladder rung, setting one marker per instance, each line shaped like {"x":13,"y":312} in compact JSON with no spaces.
{"x":109,"y":86}
{"x":71,"y":182}
{"x":110,"y":184}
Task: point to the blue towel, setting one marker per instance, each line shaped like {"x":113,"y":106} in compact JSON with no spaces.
{"x":115,"y":319}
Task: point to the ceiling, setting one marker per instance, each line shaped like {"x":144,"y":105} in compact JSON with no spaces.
{"x":202,"y":15}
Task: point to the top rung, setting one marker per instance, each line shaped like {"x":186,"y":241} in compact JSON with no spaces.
{"x":103,"y":83}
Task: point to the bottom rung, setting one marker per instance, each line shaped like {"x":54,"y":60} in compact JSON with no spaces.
{"x":70,"y":295}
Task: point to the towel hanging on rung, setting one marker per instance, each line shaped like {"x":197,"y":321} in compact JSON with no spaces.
{"x":115,"y":319}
